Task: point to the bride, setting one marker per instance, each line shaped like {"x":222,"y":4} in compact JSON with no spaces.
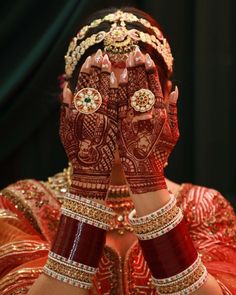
{"x":123,"y":227}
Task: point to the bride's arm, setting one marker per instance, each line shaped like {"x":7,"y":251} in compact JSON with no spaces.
{"x":49,"y":286}
{"x":152,"y":201}
{"x":147,"y":139}
{"x":77,"y":248}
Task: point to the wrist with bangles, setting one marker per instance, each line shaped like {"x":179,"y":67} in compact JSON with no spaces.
{"x":79,"y":242}
{"x":172,"y":259}
{"x":175,"y":265}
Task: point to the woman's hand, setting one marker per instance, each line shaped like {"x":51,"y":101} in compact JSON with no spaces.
{"x":148,"y":129}
{"x":88,"y":128}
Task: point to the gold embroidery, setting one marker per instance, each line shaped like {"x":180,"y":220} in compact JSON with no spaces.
{"x":25,"y":276}
{"x":20,"y":247}
{"x":21,"y":205}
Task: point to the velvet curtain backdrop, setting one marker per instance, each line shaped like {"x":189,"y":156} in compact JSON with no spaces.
{"x":34,"y":38}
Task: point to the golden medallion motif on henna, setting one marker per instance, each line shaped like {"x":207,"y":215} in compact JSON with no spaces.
{"x":87,"y":100}
{"x":143,"y":100}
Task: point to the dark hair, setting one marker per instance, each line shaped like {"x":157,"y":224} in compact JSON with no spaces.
{"x":105,"y":26}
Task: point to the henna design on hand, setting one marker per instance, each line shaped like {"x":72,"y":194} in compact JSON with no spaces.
{"x":90,"y":139}
{"x":145,"y":139}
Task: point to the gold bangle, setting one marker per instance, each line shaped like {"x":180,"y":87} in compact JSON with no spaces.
{"x":87,"y":211}
{"x":68,"y":271}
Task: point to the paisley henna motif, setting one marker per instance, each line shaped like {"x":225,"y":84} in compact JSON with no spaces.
{"x":90,"y":139}
{"x":145,"y":139}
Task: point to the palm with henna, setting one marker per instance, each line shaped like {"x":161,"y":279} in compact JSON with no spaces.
{"x":148,"y":129}
{"x":89,"y":135}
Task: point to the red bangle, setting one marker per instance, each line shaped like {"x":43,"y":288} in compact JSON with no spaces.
{"x":75,"y":238}
{"x":174,"y":252}
{"x":79,"y":242}
{"x":168,"y":249}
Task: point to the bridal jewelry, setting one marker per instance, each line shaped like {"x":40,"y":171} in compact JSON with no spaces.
{"x":142,"y":100}
{"x":118,"y":41}
{"x":87,"y":100}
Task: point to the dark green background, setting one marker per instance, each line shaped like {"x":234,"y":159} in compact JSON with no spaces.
{"x":34,"y":38}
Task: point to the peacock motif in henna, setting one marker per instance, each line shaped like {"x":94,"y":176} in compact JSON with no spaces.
{"x":88,"y":129}
{"x":146,"y":136}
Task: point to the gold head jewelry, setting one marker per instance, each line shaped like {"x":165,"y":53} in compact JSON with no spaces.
{"x":118,"y":41}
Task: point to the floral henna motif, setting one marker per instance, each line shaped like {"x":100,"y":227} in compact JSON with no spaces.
{"x":90,"y":139}
{"x":139,"y":132}
{"x":146,"y":139}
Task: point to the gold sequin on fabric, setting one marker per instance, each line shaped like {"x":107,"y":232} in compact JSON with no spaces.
{"x":37,"y":203}
{"x":119,"y":201}
{"x":60,"y":182}
{"x":23,"y":248}
{"x":8,"y":215}
{"x":21,"y":205}
{"x":118,"y":192}
{"x":25,"y":276}
{"x":109,"y":274}
{"x":224,"y":289}
{"x":120,"y":221}
{"x":210,"y":213}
